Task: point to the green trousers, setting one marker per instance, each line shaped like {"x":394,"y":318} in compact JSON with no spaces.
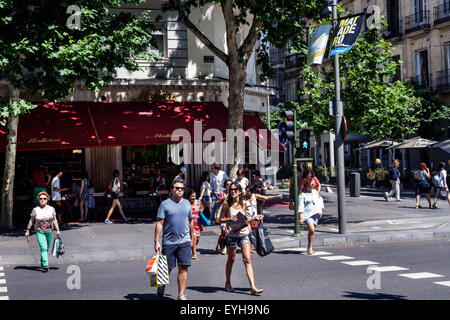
{"x":44,"y":240}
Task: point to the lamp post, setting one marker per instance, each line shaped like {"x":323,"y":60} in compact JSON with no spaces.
{"x":338,"y":112}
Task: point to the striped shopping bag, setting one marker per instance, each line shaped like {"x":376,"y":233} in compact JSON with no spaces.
{"x":161,"y":278}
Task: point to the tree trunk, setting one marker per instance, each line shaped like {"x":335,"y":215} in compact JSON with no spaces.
{"x":237,"y":72}
{"x":6,"y":221}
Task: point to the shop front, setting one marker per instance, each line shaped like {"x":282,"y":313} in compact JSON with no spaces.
{"x":134,"y":137}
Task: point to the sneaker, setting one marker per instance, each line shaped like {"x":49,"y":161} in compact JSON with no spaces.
{"x":182,"y":297}
{"x":229,"y":288}
{"x":127,"y":219}
{"x":44,"y":268}
{"x":224,"y":251}
{"x":160,"y":291}
{"x":108,"y":221}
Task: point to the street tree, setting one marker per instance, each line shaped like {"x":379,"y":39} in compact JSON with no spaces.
{"x":275,"y":22}
{"x":375,"y":102}
{"x":48,"y":46}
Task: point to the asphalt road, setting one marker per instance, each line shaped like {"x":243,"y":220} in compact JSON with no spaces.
{"x":285,"y":275}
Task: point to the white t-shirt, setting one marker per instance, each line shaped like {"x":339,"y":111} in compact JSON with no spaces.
{"x":442,"y":175}
{"x":56,"y":195}
{"x":115,"y":185}
{"x":217,"y":181}
{"x":207,"y":187}
{"x":310,"y":203}
{"x":251,"y":207}
{"x":243,"y":182}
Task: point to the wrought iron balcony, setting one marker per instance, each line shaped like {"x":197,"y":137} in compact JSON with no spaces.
{"x":443,"y":79}
{"x":422,"y":81}
{"x":417,"y":21}
{"x":442,"y":12}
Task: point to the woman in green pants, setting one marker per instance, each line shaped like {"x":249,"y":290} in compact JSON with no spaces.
{"x":44,"y":220}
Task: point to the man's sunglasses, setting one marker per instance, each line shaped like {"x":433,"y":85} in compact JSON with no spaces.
{"x":179,"y":188}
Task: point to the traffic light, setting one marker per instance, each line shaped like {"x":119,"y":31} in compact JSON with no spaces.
{"x":304,"y":140}
{"x":286,"y":128}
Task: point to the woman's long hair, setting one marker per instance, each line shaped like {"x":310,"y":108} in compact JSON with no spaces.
{"x":204,"y":178}
{"x":241,"y":197}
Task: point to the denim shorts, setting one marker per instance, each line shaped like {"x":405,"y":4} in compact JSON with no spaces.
{"x":314,"y":219}
{"x":178,"y":253}
{"x":234,"y":242}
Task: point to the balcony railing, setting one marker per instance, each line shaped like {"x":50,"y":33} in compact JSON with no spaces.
{"x":276,"y":57}
{"x":422,"y":81}
{"x":443,"y":79}
{"x":394,"y":30}
{"x":417,"y":21}
{"x":442,"y":12}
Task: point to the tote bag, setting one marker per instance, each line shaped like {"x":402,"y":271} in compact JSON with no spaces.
{"x":261,"y":241}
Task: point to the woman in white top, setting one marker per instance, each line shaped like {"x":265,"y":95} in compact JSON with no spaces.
{"x":205,"y":192}
{"x":43,"y":217}
{"x":442,"y":185}
{"x":233,"y":212}
{"x":310,"y":207}
{"x":251,"y":204}
{"x":422,"y":187}
{"x":243,"y":181}
{"x":115,"y":189}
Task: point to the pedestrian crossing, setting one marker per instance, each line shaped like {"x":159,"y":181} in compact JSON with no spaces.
{"x":376,"y":267}
{"x":3,"y":288}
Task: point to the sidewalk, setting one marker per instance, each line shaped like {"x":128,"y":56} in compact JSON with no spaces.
{"x":369,"y":219}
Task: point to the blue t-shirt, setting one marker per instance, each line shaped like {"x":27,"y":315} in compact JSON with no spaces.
{"x":176,"y":217}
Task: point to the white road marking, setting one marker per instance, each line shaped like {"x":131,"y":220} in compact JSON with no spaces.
{"x":4,"y":298}
{"x":1,"y":268}
{"x":321,"y":253}
{"x":2,"y":274}
{"x":443,"y":283}
{"x":420,"y":275}
{"x":3,"y":289}
{"x":2,"y":281}
{"x":385,"y":269}
{"x":333,"y":258}
{"x":360,"y":263}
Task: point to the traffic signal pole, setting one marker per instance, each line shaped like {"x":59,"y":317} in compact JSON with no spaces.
{"x":339,"y":139}
{"x":297,"y":232}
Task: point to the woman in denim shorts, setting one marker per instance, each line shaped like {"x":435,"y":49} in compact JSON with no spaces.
{"x":236,"y":234}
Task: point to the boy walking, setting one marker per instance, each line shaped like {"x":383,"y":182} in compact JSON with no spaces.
{"x":174,"y":222}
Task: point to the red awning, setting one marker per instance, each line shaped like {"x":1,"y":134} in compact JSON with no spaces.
{"x":96,"y":124}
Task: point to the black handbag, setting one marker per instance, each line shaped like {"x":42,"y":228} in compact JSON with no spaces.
{"x":261,"y":241}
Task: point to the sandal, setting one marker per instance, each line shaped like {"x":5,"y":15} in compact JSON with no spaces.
{"x":310,"y":252}
{"x":256,"y":291}
{"x":228,"y":287}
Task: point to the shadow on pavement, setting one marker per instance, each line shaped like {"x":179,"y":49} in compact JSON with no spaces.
{"x":146,"y":296}
{"x":33,"y":268}
{"x":377,"y":296}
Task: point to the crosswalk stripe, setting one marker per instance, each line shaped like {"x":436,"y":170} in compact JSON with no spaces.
{"x":3,"y":289}
{"x":443,"y":283}
{"x":2,"y":274}
{"x":333,"y":258}
{"x":1,"y":268}
{"x":360,"y":263}
{"x":420,"y":275}
{"x":386,"y":269}
{"x":4,"y":298}
{"x":321,"y":253}
{"x":2,"y":281}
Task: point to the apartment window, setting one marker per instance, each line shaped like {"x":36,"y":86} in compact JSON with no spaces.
{"x":398,"y":72}
{"x":422,"y":78}
{"x":447,"y":56}
{"x":393,"y":17}
{"x":420,"y":9}
{"x":160,"y":45}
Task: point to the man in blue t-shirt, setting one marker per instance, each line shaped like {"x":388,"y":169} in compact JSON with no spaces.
{"x":174,"y":222}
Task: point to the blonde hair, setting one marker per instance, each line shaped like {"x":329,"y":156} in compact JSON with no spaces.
{"x":43,"y":193}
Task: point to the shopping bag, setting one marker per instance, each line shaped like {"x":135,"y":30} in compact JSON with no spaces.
{"x":264,"y":245}
{"x":203,"y":220}
{"x":161,"y":278}
{"x":61,"y":249}
{"x":55,"y":246}
{"x":152,"y":265}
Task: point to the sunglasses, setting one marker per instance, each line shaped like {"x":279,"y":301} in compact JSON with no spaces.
{"x":179,"y":188}
{"x":234,"y":189}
